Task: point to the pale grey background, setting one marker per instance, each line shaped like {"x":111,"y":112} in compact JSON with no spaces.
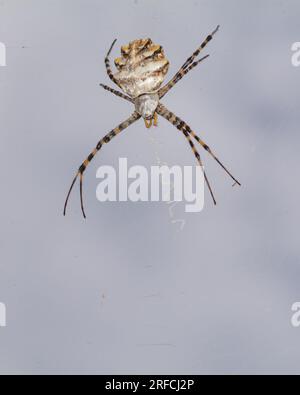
{"x":125,"y":291}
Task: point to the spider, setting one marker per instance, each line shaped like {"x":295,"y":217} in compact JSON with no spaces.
{"x":141,"y":72}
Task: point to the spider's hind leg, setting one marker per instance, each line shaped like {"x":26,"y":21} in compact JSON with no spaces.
{"x":188,"y":65}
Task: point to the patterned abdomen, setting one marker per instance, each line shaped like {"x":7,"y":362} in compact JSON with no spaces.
{"x":141,"y":68}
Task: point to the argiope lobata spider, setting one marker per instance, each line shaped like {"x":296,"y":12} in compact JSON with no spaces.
{"x":141,"y":72}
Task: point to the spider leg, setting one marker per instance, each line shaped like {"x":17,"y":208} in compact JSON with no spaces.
{"x":187,"y":64}
{"x":107,"y":64}
{"x":181,"y":125}
{"x":165,"y":113}
{"x":181,"y":73}
{"x":197,"y":155}
{"x":155,"y":119}
{"x":202,"y":46}
{"x":105,"y":140}
{"x":207,"y":148}
{"x":117,"y":93}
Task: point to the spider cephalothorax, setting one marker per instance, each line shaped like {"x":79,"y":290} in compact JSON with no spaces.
{"x":141,"y":72}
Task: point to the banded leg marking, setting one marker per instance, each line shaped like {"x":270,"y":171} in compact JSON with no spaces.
{"x":186,"y":65}
{"x":207,"y":148}
{"x":198,"y":157}
{"x":107,"y":64}
{"x":202,"y":46}
{"x":105,"y":140}
{"x":179,"y":124}
{"x":117,"y":93}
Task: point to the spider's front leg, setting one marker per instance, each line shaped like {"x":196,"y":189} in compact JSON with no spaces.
{"x":106,"y":139}
{"x":184,"y":127}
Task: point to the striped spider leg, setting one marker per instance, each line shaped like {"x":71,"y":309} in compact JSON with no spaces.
{"x":117,"y":93}
{"x":107,"y":64}
{"x":188,"y":65}
{"x":105,"y":140}
{"x":187,"y":131}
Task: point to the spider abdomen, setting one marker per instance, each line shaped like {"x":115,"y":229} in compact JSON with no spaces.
{"x":141,"y":68}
